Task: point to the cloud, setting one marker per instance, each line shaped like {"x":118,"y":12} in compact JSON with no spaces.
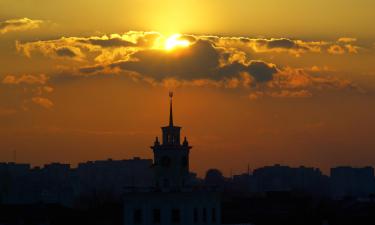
{"x":289,"y":78}
{"x":336,"y":50}
{"x":25,"y":79}
{"x":67,"y":52}
{"x":19,"y":25}
{"x":352,"y":48}
{"x":344,"y":45}
{"x":272,"y":45}
{"x":43,"y":102}
{"x":200,"y":60}
{"x":291,"y":94}
{"x":30,"y":88}
{"x":259,"y":70}
{"x":280,"y":45}
{"x":120,"y":47}
{"x":209,"y":61}
{"x":51,"y":49}
{"x":347,"y":39}
{"x":256,"y":95}
{"x":108,"y":42}
{"x":91,"y":69}
{"x":106,"y":48}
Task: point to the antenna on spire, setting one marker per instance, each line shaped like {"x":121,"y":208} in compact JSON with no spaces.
{"x":170,"y":110}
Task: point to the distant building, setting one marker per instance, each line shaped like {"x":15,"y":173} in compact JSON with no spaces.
{"x":14,"y":182}
{"x":59,"y":183}
{"x":172,"y":199}
{"x":110,"y":176}
{"x":244,"y":183}
{"x":285,"y":178}
{"x":352,"y":182}
{"x":56,"y":184}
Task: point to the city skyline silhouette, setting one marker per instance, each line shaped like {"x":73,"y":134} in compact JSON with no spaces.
{"x":228,"y":173}
{"x":187,"y":112}
{"x":164,"y":190}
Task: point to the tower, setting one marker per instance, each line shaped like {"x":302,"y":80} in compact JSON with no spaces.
{"x":169,"y":202}
{"x":171,"y":158}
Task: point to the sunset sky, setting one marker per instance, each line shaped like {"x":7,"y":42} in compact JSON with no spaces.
{"x":256,"y":82}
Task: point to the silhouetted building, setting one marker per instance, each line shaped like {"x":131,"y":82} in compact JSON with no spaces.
{"x":13,"y":183}
{"x":173,"y":199}
{"x":243,"y":183}
{"x":59,"y":183}
{"x":284,"y":178}
{"x":110,"y":176}
{"x":352,"y":182}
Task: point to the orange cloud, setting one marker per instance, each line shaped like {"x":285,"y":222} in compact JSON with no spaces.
{"x":209,"y":61}
{"x":25,"y":79}
{"x":53,"y":49}
{"x":280,"y":45}
{"x":107,"y":48}
{"x":19,"y":25}
{"x":347,"y":39}
{"x":336,"y":50}
{"x":35,"y":87}
{"x":120,"y":47}
{"x":256,"y":95}
{"x":44,"y":102}
{"x":291,"y":94}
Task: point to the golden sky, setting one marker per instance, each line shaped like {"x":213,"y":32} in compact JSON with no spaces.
{"x":255,"y":82}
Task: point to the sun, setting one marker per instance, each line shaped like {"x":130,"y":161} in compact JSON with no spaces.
{"x":175,"y":41}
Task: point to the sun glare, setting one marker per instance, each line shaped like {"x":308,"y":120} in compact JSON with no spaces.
{"x":174,"y":41}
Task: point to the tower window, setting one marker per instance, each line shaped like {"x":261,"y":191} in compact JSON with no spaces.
{"x":176,"y":216}
{"x":137,"y":216}
{"x":156,"y":216}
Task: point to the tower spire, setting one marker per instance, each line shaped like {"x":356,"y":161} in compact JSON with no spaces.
{"x":170,"y":110}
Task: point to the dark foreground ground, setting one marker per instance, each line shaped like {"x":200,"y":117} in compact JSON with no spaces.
{"x":273,"y":209}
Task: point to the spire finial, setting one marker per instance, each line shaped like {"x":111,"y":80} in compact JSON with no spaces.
{"x":170,"y":109}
